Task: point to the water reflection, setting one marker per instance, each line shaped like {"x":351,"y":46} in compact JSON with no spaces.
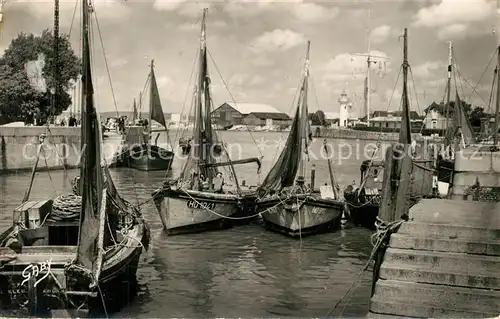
{"x":243,"y":271}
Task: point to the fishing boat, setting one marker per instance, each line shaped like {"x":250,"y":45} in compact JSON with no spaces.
{"x":76,"y":251}
{"x":458,"y":131}
{"x":200,"y":200}
{"x":364,"y":202}
{"x":148,"y":156}
{"x":285,"y":203}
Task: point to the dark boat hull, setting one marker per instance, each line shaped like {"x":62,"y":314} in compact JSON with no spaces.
{"x":445,"y":169}
{"x":188,"y":211}
{"x":311,"y":216}
{"x":362,"y":215}
{"x":148,"y":158}
{"x":362,"y":210}
{"x":66,"y":290}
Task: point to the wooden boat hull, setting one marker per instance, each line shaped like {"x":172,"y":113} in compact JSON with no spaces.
{"x":312,"y":216}
{"x":362,"y":211}
{"x":148,"y":158}
{"x":362,"y":215}
{"x":183,"y":211}
{"x":445,"y":169}
{"x":63,"y":289}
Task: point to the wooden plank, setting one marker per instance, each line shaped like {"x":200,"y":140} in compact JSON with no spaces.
{"x":386,"y":206}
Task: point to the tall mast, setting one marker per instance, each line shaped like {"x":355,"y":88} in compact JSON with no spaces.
{"x":152,"y":78}
{"x":368,"y":73}
{"x":199,"y":149}
{"x":448,"y":89}
{"x":497,"y":110}
{"x":303,"y":113}
{"x":56,"y":58}
{"x":405,"y":133}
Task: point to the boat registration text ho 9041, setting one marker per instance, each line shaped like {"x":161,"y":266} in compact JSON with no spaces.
{"x":201,"y":204}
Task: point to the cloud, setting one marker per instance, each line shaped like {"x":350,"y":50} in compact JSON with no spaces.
{"x":381,"y":33}
{"x":196,"y":26}
{"x":313,"y":13}
{"x":347,"y":66}
{"x":262,"y":61}
{"x":277,"y":40}
{"x":256,"y":80}
{"x":453,"y":19}
{"x":104,"y":9}
{"x":164,"y":81}
{"x":450,"y":12}
{"x":427,"y":70}
{"x":454,"y":31}
{"x":188,"y":8}
{"x":300,"y":10}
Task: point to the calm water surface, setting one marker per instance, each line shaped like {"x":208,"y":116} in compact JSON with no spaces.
{"x":241,"y":272}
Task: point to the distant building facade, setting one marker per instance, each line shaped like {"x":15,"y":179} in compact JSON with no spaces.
{"x":393,"y":120}
{"x":267,"y":119}
{"x":435,"y":116}
{"x":230,"y":113}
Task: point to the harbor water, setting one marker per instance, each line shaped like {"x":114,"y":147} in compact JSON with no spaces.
{"x":242,"y":272}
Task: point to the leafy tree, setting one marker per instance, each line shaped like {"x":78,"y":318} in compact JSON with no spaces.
{"x":476,"y":115}
{"x":318,"y":118}
{"x":17,"y":97}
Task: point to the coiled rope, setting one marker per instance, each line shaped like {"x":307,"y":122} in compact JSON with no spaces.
{"x":384,"y":230}
{"x":65,"y":208}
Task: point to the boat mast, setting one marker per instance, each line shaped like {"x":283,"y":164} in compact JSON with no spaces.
{"x":448,"y":91}
{"x":199,"y":149}
{"x":151,"y":76}
{"x":497,"y":110}
{"x":405,"y":133}
{"x":368,"y":73}
{"x":55,"y":91}
{"x":303,"y":114}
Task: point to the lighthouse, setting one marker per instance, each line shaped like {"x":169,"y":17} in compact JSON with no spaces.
{"x":345,"y":109}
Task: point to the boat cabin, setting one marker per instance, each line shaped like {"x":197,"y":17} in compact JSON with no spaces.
{"x":372,"y":174}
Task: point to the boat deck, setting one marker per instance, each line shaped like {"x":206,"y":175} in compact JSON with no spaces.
{"x":445,"y":262}
{"x":58,"y":255}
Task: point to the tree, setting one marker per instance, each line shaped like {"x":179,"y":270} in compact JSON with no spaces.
{"x":318,"y":118}
{"x":476,"y":115}
{"x":17,"y":97}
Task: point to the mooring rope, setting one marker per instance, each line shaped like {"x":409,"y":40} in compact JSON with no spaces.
{"x":384,"y":230}
{"x":281,"y":202}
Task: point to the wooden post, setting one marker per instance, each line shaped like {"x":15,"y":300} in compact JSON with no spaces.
{"x":386,"y":206}
{"x":313,"y":176}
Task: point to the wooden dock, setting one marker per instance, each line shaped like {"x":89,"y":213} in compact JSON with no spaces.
{"x":443,"y":263}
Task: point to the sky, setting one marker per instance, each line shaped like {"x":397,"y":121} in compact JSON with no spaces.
{"x":257,"y":48}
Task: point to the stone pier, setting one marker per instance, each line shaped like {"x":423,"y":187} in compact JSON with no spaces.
{"x":445,"y":261}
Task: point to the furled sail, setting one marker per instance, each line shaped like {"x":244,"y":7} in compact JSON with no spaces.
{"x":285,"y":169}
{"x":134,"y":114}
{"x":460,"y":125}
{"x":92,"y":217}
{"x":155,"y":102}
{"x":202,"y":151}
{"x":291,"y":159}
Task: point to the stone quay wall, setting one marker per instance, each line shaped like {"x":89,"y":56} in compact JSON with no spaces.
{"x":347,"y":134}
{"x":61,"y":147}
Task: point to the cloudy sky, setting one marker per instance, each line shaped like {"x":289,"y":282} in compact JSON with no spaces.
{"x":259,"y":47}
